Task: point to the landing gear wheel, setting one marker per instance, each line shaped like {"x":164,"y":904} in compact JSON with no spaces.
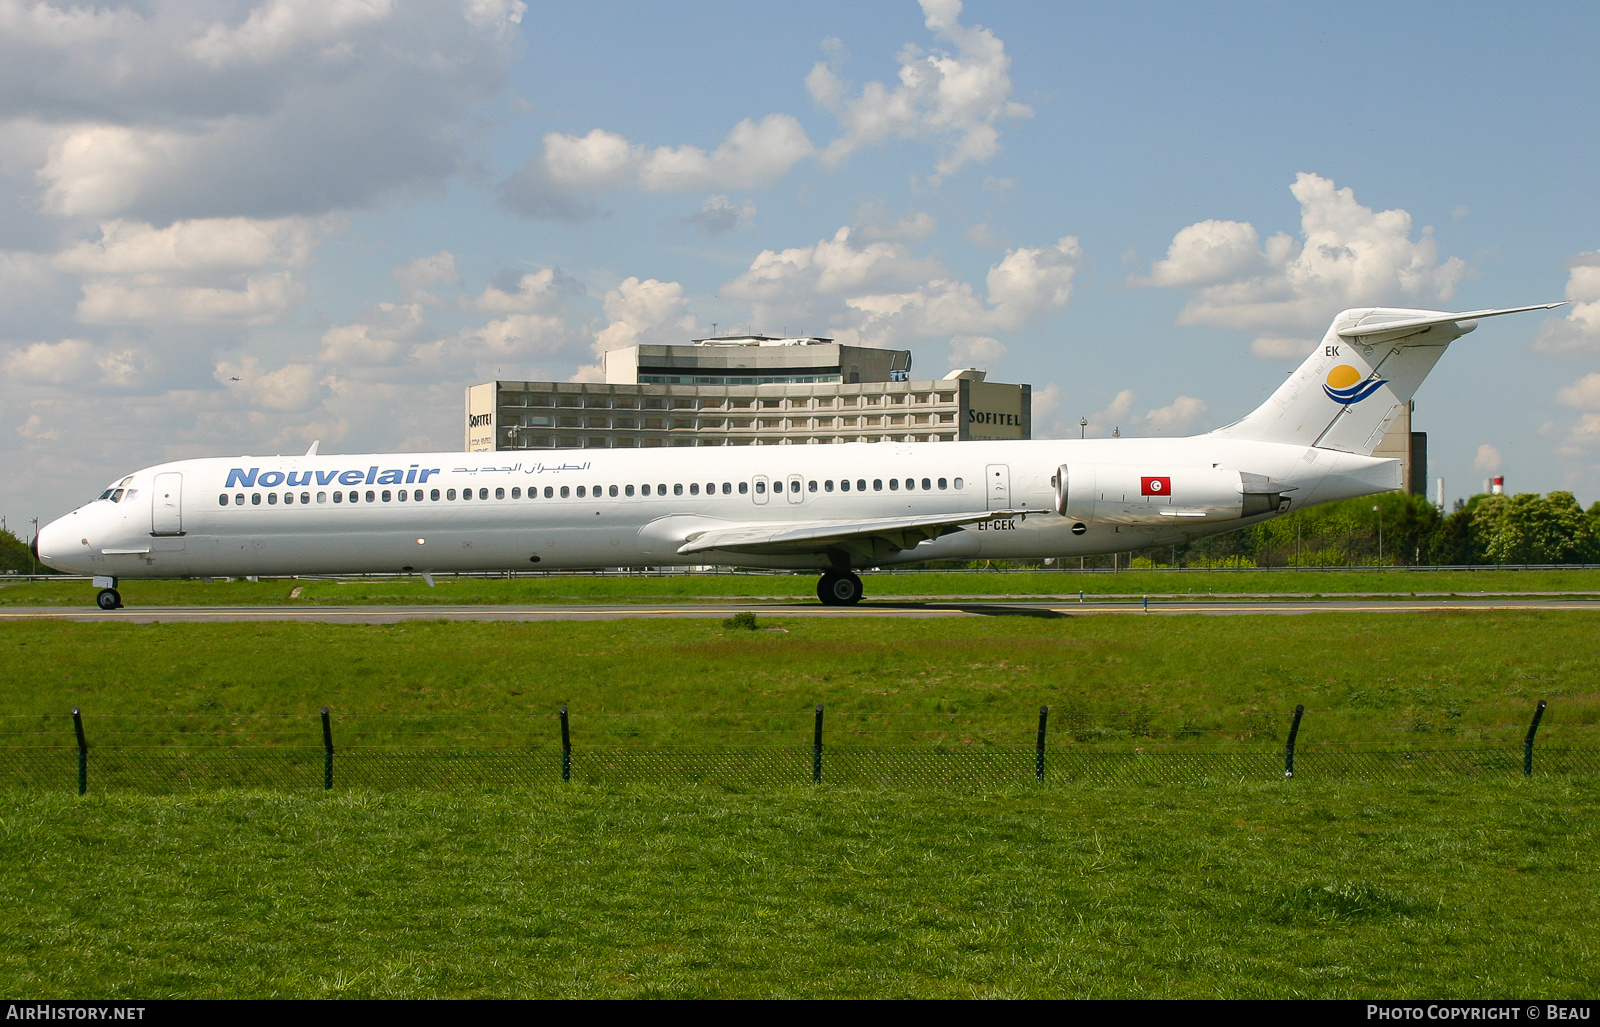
{"x":836,"y":589}
{"x":108,"y":599}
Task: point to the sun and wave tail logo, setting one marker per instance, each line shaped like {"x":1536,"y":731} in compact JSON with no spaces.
{"x":1346,"y":386}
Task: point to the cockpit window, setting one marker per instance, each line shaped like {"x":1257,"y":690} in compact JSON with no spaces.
{"x":106,"y":494}
{"x":116,"y":496}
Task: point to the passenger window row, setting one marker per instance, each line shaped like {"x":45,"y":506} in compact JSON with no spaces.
{"x":586,"y":491}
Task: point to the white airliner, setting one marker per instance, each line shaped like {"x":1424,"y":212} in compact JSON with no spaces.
{"x":832,"y":508}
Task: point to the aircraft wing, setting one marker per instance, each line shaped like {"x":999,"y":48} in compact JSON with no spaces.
{"x":892,"y":533}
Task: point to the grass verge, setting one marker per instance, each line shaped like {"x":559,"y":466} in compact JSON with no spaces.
{"x":1466,"y":890}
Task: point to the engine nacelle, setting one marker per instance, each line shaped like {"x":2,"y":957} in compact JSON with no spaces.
{"x":1142,"y":494}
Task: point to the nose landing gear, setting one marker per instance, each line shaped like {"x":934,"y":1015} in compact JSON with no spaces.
{"x":108,"y":599}
{"x":839,"y":588}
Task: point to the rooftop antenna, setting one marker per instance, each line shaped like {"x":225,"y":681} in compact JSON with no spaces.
{"x":713,"y":329}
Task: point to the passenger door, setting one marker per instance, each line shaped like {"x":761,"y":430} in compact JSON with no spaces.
{"x":166,"y":504}
{"x":759,"y":489}
{"x":998,"y":487}
{"x":794,"y":489}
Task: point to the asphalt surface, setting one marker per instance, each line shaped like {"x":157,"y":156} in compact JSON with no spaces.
{"x":680,"y":610}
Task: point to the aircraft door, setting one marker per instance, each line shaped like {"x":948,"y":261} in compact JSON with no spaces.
{"x":795,"y":486}
{"x":759,"y":487}
{"x":998,"y":486}
{"x":166,"y":504}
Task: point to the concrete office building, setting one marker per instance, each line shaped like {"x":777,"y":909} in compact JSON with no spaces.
{"x":746,"y":391}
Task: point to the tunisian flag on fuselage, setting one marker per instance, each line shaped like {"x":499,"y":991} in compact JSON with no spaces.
{"x":1155,"y":486}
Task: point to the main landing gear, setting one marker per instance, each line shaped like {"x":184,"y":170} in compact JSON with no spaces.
{"x":839,"y":588}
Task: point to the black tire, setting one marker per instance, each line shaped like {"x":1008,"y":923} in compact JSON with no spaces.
{"x":835,"y":589}
{"x":108,"y":599}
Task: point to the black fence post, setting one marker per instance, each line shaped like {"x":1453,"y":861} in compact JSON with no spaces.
{"x":816,"y":749}
{"x":327,"y":751}
{"x":566,"y":747}
{"x":83,"y":752}
{"x":1288,"y":748}
{"x":1038,"y":757}
{"x":1527,"y":743}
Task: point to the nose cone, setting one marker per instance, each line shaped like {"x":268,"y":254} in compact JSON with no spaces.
{"x":55,"y":547}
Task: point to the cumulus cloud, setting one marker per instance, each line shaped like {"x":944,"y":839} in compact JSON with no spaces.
{"x":417,"y":275}
{"x":1578,"y":333}
{"x":205,"y":244}
{"x":975,"y":351}
{"x":1183,"y":416}
{"x":205,"y":110}
{"x":754,"y":154}
{"x":875,"y":222}
{"x":1287,"y":289}
{"x":1488,"y":459}
{"x":880,"y":293}
{"x":640,"y":312}
{"x":719,"y":215}
{"x":80,"y":363}
{"x":291,"y":388}
{"x":537,"y":292}
{"x":376,"y":339}
{"x":958,"y":99}
{"x":261,"y":300}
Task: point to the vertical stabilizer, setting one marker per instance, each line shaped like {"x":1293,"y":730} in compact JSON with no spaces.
{"x":1359,"y":378}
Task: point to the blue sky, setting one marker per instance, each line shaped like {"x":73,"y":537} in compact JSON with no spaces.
{"x":358,"y":207}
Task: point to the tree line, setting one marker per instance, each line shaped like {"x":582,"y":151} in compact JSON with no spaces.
{"x":1405,"y":530}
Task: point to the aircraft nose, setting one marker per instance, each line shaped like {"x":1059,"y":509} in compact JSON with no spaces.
{"x":53,"y":545}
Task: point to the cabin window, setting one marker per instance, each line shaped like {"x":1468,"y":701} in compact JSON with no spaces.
{"x":612,"y":492}
{"x":238,"y":500}
{"x":813,"y":485}
{"x":726,"y":488}
{"x":565,"y":492}
{"x":943,"y":483}
{"x":827,"y":486}
{"x":338,"y":497}
{"x":305,"y":497}
{"x":628,"y":490}
{"x":322,"y":497}
{"x":255,"y":499}
{"x":694,"y":488}
{"x":433,"y":495}
{"x":499,"y":493}
{"x":761,"y":487}
{"x":516,"y":493}
{"x":449,"y":494}
{"x":466,"y":493}
{"x":677,"y":490}
{"x":661,"y":489}
{"x":894,"y":485}
{"x":386,"y":496}
{"x":927,"y":484}
{"x":645,"y":489}
{"x":549,"y":492}
{"x":288,"y":498}
{"x":744,"y":487}
{"x":370,"y":497}
{"x":402,"y":496}
{"x":483,"y":493}
{"x":222,"y":500}
{"x":580,"y":491}
{"x":861,"y":484}
{"x":958,"y":483}
{"x":844,"y":485}
{"x":877,"y":484}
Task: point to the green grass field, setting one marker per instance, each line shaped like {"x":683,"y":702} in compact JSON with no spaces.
{"x":1447,"y":887}
{"x":566,"y":588}
{"x":1438,"y":891}
{"x":1376,"y":680}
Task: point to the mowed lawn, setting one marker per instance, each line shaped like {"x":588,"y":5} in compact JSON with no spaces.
{"x":1450,"y":890}
{"x":570,"y":588}
{"x":1444,"y":887}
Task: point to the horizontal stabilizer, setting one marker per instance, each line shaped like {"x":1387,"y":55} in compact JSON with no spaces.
{"x":1394,"y":329}
{"x":898,"y":533}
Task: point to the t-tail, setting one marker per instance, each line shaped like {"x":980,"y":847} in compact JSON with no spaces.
{"x":1365,"y":371}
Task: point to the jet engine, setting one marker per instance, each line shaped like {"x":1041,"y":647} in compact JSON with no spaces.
{"x":1142,"y":494}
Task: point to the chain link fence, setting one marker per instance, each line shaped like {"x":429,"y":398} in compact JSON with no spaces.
{"x":942,"y":750}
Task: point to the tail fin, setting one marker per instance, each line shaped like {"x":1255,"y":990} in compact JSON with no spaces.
{"x":1367,"y":368}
